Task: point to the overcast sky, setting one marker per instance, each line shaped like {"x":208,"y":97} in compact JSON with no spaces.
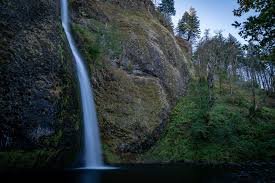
{"x":213,"y":14}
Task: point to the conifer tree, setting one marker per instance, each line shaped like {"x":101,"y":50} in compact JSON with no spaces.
{"x":167,"y":7}
{"x":189,"y":26}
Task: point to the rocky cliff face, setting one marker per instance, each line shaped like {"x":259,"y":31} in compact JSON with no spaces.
{"x":137,"y":68}
{"x":39,"y":115}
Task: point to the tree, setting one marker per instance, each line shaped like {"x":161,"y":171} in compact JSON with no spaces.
{"x":205,"y":63}
{"x":252,"y":58}
{"x":201,"y":55}
{"x":217,"y":57}
{"x":189,"y":26}
{"x":259,"y":30}
{"x":167,"y":7}
{"x":260,"y":27}
{"x":233,"y":54}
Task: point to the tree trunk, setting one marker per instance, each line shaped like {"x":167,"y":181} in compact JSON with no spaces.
{"x":230,"y":85}
{"x":210,"y":83}
{"x":262,"y":80}
{"x":272,"y":78}
{"x":253,"y":80}
{"x":220,"y":84}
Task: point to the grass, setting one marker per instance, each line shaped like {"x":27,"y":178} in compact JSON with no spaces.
{"x":222,"y":132}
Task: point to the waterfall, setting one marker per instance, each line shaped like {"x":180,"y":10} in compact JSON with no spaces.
{"x":92,"y":147}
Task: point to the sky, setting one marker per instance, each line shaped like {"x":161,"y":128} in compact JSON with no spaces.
{"x":213,"y":14}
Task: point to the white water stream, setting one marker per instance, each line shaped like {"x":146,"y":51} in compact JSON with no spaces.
{"x":92,"y":146}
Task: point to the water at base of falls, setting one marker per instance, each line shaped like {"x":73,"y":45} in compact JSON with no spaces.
{"x":92,"y":157}
{"x":97,"y":168}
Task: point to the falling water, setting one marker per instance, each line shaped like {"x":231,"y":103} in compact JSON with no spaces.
{"x":92,"y":147}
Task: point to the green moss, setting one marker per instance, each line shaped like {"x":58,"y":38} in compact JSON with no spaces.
{"x":126,"y":106}
{"x":129,"y":98}
{"x":55,"y":139}
{"x":223,"y":132}
{"x":109,"y":155}
{"x":67,"y":128}
{"x":129,"y":107}
{"x":98,"y":41}
{"x":28,"y":159}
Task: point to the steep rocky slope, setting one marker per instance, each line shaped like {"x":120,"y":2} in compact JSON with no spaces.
{"x":39,"y":112}
{"x":137,"y":68}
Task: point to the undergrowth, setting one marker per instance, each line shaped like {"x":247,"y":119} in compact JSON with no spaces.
{"x":223,"y":131}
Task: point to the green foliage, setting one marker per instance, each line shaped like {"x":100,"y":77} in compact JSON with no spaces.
{"x":109,"y":155}
{"x":98,"y":41}
{"x":28,"y":159}
{"x":167,"y":7}
{"x":54,"y":140}
{"x":189,"y":25}
{"x":218,"y":56}
{"x":221,"y":132}
{"x":260,"y":27}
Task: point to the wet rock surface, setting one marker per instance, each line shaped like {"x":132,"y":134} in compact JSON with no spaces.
{"x":38,"y":102}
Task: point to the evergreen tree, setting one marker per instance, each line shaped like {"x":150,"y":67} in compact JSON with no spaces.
{"x":167,"y":7}
{"x":189,"y":26}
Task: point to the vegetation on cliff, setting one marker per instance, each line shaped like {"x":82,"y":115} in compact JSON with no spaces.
{"x":137,"y":68}
{"x":224,"y":131}
{"x":228,"y":112}
{"x":155,"y":100}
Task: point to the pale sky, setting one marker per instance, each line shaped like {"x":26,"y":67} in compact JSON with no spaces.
{"x":213,"y":14}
